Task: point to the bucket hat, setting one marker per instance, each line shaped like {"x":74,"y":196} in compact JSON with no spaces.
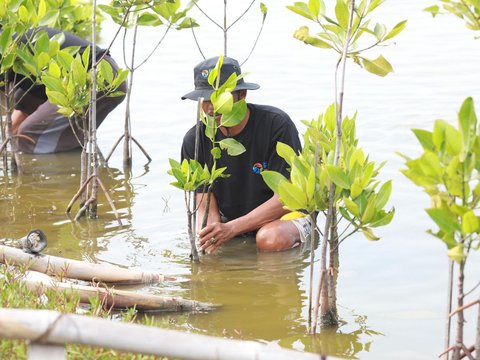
{"x":200,"y":77}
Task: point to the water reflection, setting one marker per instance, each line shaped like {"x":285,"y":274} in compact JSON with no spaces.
{"x":39,"y":195}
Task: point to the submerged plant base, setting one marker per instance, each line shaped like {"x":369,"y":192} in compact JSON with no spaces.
{"x":329,"y":319}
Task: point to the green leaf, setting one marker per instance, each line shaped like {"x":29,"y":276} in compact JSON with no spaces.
{"x":23,"y":14}
{"x":468,"y":121}
{"x":285,"y":151}
{"x":216,"y":153}
{"x":50,"y":18}
{"x":302,"y":34}
{"x":236,"y":115}
{"x":369,"y":212}
{"x":424,"y":137}
{"x":434,"y":9}
{"x":52,"y":83}
{"x":232,"y":146}
{"x":187,"y":23}
{"x":469,"y":223}
{"x":380,"y":66}
{"x":223,"y":103}
{"x":445,"y":219}
{"x":374,"y":4}
{"x":263,"y":8}
{"x":379,"y":31}
{"x":106,"y":71}
{"x":57,"y":98}
{"x":456,"y":253}
{"x":293,"y":197}
{"x":148,"y":19}
{"x":338,"y":176}
{"x":273,"y":179}
{"x":383,"y":195}
{"x":342,"y":13}
{"x":301,"y":9}
{"x":383,"y":220}
{"x":352,"y":207}
{"x":397,"y":29}
{"x":314,"y":7}
{"x":369,"y":234}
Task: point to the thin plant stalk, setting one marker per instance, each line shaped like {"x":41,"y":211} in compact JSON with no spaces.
{"x":322,"y":292}
{"x":127,"y":144}
{"x":93,"y":115}
{"x":312,"y":248}
{"x":195,"y":157}
{"x":225,"y":29}
{"x":460,"y":314}
{"x":332,"y":274}
{"x":477,"y":341}
{"x":448,"y":322}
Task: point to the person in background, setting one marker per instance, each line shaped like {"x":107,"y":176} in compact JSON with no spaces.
{"x":38,"y":127}
{"x":242,"y":203}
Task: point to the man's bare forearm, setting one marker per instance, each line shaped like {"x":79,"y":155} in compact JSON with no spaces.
{"x":267,"y":212}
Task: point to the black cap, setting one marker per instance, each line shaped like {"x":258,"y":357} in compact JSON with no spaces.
{"x":202,"y":70}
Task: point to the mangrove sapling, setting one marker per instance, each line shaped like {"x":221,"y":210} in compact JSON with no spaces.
{"x":131,"y":14}
{"x":448,"y":171}
{"x":68,"y":83}
{"x":470,"y":13}
{"x":225,"y":28}
{"x":359,"y":199}
{"x":344,"y":33}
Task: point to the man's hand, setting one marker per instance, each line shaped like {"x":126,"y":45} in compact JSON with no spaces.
{"x":213,"y":235}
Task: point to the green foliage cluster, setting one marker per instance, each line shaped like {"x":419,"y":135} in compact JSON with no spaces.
{"x":190,"y":175}
{"x":364,"y":34}
{"x":448,"y":170}
{"x":14,"y":294}
{"x":68,"y":81}
{"x":149,"y":13}
{"x":467,"y":10}
{"x":358,"y":196}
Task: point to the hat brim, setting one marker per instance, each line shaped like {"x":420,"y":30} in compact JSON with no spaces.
{"x":206,"y":93}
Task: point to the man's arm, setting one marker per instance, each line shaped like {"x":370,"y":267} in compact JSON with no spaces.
{"x":216,"y":233}
{"x":213,"y":212}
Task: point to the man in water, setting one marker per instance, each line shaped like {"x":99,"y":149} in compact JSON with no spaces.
{"x":243,"y":203}
{"x":38,"y":127}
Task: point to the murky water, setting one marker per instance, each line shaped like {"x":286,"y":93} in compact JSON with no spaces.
{"x":391,"y":293}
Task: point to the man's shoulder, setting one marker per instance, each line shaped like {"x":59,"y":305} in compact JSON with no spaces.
{"x":270,"y":111}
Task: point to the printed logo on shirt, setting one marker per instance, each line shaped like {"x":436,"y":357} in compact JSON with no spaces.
{"x":257,"y":168}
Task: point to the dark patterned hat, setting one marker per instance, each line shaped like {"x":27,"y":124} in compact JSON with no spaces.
{"x":202,"y":70}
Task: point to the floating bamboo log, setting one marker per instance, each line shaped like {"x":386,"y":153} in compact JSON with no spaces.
{"x":74,"y":269}
{"x":117,"y":299}
{"x":51,"y":327}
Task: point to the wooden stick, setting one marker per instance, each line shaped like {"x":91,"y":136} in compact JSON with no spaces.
{"x":112,"y":298}
{"x":81,"y":270}
{"x":464,"y":307}
{"x":68,"y":328}
{"x":77,"y":195}
{"x":109,"y":199}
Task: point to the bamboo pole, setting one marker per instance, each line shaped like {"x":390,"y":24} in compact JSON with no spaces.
{"x":81,"y":270}
{"x":112,"y":298}
{"x":51,"y":327}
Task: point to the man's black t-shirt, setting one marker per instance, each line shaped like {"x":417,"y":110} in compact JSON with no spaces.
{"x":244,"y":189}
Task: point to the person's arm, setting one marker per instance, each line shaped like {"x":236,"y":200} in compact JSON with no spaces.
{"x":213,"y":212}
{"x":17,"y":118}
{"x":216,"y":233}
